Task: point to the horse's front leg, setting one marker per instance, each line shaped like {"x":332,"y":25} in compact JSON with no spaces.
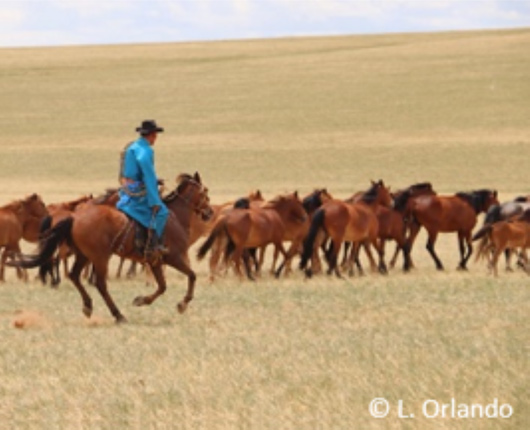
{"x":156,"y":270}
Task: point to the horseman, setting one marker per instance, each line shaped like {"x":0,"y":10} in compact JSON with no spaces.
{"x":139,"y":196}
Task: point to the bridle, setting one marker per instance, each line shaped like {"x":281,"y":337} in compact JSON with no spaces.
{"x":197,"y":208}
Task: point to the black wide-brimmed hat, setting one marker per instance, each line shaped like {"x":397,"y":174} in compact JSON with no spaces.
{"x":149,"y":126}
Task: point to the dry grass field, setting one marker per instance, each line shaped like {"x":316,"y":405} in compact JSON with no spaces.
{"x":278,"y":115}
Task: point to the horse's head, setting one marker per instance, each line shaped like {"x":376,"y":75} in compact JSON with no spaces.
{"x":255,"y":196}
{"x":34,"y":206}
{"x":195,"y":194}
{"x":379,"y":194}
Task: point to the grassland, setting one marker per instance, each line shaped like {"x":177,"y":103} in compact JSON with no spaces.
{"x":278,"y":115}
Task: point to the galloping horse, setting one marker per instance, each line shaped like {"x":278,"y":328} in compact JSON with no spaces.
{"x":17,"y":220}
{"x":342,"y":221}
{"x":99,"y":231}
{"x":445,"y":214}
{"x":273,"y":223}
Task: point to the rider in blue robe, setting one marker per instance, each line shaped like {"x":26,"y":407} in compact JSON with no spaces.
{"x":139,"y":196}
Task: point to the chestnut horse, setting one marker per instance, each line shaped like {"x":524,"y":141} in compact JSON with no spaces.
{"x":99,"y":231}
{"x":311,"y":203}
{"x":18,"y":220}
{"x":445,"y":214}
{"x":506,"y":211}
{"x":254,"y":228}
{"x":342,"y":221}
{"x":503,"y":235}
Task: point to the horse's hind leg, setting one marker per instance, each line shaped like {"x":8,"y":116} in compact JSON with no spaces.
{"x":100,"y":270}
{"x":75,"y":277}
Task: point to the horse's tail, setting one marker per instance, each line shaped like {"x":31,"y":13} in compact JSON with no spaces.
{"x":482,"y":232}
{"x":48,"y":244}
{"x":205,"y":247}
{"x":316,"y":224}
{"x":45,"y":225}
{"x":47,"y":267}
{"x":484,"y":235}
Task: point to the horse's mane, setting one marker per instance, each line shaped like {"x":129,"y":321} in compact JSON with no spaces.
{"x":101,"y":199}
{"x":181,"y":179}
{"x":273,"y":201}
{"x":242,"y":203}
{"x":312,"y":201}
{"x":371,"y":195}
{"x":421,"y":186}
{"x":400,"y":202}
{"x":476,"y":199}
{"x":402,"y":197}
{"x":12,"y":206}
{"x":15,"y":205}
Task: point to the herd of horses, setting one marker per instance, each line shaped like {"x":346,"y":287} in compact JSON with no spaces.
{"x":316,"y":228}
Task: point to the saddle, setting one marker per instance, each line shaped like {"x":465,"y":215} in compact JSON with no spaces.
{"x":145,"y":241}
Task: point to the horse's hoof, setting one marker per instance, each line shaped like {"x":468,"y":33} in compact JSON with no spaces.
{"x":462,"y":268}
{"x":139,"y":301}
{"x":120,"y":319}
{"x":181,"y":307}
{"x":87,"y":311}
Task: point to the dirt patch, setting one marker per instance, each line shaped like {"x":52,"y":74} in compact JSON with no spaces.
{"x":27,"y":319}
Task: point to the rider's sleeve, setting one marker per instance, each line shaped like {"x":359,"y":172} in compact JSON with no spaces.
{"x":146,"y":163}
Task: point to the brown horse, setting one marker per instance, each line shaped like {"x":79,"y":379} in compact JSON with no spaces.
{"x":200,"y":228}
{"x":503,"y":235}
{"x":445,"y":214}
{"x":342,"y":221}
{"x":17,"y":220}
{"x":311,"y":203}
{"x":99,"y":231}
{"x":255,"y":228}
{"x":392,"y":222}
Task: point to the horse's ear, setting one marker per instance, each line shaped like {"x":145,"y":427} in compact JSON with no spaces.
{"x":296,"y":195}
{"x":258,"y":194}
{"x":495,"y":193}
{"x":372,"y":181}
{"x":197,"y":177}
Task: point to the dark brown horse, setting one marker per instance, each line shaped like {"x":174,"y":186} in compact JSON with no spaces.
{"x":342,"y":221}
{"x":57,"y":212}
{"x":255,"y":228}
{"x":18,"y":219}
{"x":392,"y":222}
{"x":98,"y":231}
{"x":445,"y":214}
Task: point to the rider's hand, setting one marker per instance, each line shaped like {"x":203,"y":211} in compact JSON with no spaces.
{"x":155,"y":209}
